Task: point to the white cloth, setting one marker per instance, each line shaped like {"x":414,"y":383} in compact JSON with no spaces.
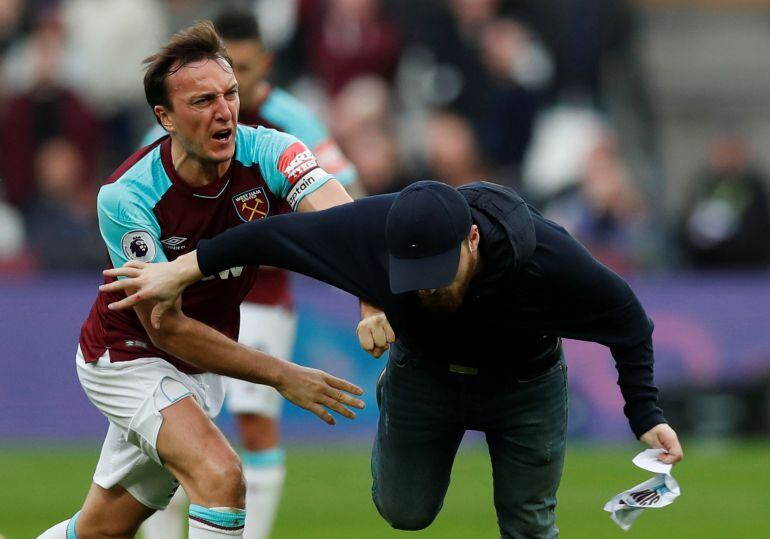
{"x":263,"y":494}
{"x":654,"y":493}
{"x":131,"y":394}
{"x":56,"y":532}
{"x":271,"y":330}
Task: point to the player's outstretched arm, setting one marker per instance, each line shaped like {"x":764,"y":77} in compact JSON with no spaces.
{"x":316,"y":391}
{"x":662,"y":436}
{"x":162,"y":282}
{"x":211,"y":351}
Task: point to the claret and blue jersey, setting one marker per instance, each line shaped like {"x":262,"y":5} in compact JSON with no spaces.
{"x":148,"y":213}
{"x":282,"y":111}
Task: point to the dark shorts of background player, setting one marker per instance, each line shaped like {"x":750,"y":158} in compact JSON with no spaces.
{"x":424,"y":412}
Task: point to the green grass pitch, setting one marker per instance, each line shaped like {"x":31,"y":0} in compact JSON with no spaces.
{"x":724,"y":493}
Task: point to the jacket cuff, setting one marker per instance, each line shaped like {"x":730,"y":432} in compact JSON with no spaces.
{"x":641,"y":423}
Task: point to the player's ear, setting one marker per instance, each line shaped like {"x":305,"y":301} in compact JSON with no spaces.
{"x":165,"y":120}
{"x":474,"y":238}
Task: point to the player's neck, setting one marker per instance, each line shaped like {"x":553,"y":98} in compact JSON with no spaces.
{"x":193,"y":170}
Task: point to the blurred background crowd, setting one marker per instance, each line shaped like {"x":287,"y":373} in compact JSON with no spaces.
{"x":637,"y":125}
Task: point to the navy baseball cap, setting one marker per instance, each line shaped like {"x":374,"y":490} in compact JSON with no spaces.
{"x":425,"y":228}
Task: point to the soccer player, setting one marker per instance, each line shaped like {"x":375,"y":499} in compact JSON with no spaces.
{"x":268,"y":322}
{"x":159,"y":385}
{"x":479,"y":289}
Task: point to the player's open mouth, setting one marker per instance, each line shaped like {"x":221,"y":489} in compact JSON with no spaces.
{"x":223,"y":135}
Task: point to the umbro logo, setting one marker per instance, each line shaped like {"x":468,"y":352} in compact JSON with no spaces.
{"x":175,"y":243}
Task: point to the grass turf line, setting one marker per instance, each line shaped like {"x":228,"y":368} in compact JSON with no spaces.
{"x":327,"y":493}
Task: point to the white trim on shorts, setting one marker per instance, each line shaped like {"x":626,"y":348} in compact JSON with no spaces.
{"x":131,"y":395}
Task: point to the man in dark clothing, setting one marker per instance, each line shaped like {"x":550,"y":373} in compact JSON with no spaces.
{"x":479,"y":289}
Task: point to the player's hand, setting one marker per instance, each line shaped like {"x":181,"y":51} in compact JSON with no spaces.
{"x":375,"y":334}
{"x":663,"y":436}
{"x":319,"y":392}
{"x":157,"y":282}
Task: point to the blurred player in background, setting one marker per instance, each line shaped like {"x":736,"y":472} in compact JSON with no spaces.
{"x":208,"y":175}
{"x":268,"y":322}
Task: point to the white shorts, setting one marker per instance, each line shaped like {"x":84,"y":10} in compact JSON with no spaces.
{"x":131,"y":395}
{"x":271,"y":330}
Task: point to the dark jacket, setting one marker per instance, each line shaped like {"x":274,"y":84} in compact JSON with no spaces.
{"x":536,"y":284}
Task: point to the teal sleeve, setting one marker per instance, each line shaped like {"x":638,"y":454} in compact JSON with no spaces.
{"x":129,"y":229}
{"x":289,"y":168}
{"x":268,"y":147}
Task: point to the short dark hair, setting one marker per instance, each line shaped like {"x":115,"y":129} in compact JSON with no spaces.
{"x":198,"y":42}
{"x":237,"y":25}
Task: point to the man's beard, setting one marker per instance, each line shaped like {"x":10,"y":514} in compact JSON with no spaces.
{"x":446,"y":300}
{"x":442,"y":303}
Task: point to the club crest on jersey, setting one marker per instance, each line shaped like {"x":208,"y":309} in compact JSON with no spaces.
{"x":252,"y":204}
{"x":138,"y":245}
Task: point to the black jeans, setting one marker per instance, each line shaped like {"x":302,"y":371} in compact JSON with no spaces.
{"x":424,"y":413}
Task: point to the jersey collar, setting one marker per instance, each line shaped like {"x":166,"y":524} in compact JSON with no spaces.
{"x":212,"y":190}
